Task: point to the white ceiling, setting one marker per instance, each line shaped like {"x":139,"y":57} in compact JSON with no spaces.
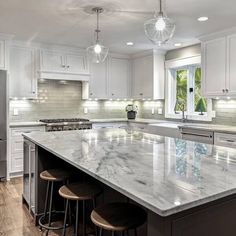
{"x":65,"y":22}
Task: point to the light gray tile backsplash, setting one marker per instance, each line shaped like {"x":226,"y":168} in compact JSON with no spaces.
{"x":57,"y":100}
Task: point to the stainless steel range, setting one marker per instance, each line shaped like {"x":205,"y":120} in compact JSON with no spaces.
{"x":66,"y":124}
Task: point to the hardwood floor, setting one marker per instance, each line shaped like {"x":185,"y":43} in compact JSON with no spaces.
{"x":14,"y":217}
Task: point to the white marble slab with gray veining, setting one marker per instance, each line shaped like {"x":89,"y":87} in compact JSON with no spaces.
{"x":165,"y":175}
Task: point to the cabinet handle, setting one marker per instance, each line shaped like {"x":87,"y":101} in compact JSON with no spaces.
{"x":112,"y":94}
{"x":223,"y":90}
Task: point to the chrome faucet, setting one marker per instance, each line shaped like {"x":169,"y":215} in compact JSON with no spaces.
{"x":182,"y":105}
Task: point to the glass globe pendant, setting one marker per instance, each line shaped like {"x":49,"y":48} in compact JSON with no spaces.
{"x":160,"y":29}
{"x":97,"y":53}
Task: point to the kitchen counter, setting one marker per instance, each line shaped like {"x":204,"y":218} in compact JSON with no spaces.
{"x":26,"y":124}
{"x":138,"y":120}
{"x":165,"y":175}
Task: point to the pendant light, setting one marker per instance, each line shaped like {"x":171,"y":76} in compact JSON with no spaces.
{"x":160,"y":29}
{"x":97,"y":53}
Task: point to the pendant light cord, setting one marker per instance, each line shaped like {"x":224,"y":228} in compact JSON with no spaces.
{"x":97,"y":30}
{"x":161,"y":12}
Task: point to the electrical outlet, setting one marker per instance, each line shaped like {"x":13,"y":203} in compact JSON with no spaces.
{"x":85,"y":110}
{"x":15,"y":112}
{"x":160,"y":111}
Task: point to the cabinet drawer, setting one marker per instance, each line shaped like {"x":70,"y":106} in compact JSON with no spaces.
{"x":17,"y":145}
{"x":138,"y":126}
{"x":226,"y":140}
{"x":17,"y":162}
{"x":20,"y":131}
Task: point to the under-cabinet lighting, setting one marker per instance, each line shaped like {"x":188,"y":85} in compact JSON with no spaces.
{"x":130,"y":44}
{"x":228,"y":98}
{"x":217,"y":98}
{"x":178,"y":44}
{"x":203,"y":18}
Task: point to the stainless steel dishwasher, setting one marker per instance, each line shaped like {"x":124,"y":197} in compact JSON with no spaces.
{"x":197,"y":135}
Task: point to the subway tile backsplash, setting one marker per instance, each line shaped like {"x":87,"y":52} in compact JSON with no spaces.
{"x":58,"y":100}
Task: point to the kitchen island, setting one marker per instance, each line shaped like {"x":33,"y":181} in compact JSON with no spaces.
{"x":187,"y":188}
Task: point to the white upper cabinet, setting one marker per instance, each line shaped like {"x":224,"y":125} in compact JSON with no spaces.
{"x":98,"y":80}
{"x":52,"y":61}
{"x":64,"y":65}
{"x":231,"y":77}
{"x":148,"y":77}
{"x":214,"y":67}
{"x":2,"y":54}
{"x":22,"y":63}
{"x":218,"y":64}
{"x":119,"y":78}
{"x":76,"y":64}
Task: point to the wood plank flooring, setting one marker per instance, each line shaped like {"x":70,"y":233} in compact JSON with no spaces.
{"x":14,"y":217}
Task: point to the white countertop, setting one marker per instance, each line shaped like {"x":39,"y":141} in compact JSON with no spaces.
{"x":26,"y":124}
{"x":165,"y":175}
{"x":138,"y":120}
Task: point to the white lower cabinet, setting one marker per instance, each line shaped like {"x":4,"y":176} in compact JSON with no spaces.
{"x":16,"y":148}
{"x":2,"y":55}
{"x":225,"y":140}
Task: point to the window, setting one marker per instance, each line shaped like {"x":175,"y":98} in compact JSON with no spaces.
{"x":183,"y":90}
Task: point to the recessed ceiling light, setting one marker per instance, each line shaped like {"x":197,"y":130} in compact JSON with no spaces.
{"x":178,"y":44}
{"x":202,"y":18}
{"x":130,"y":44}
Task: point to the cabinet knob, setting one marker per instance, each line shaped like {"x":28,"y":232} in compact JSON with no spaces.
{"x":91,"y":94}
{"x":112,"y":94}
{"x":223,"y":90}
{"x":141,"y":94}
{"x":68,"y":66}
{"x":226,"y":90}
{"x":63,"y":66}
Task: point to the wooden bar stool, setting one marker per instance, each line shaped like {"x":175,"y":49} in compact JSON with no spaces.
{"x":83,"y":191}
{"x":51,"y":176}
{"x":118,"y":217}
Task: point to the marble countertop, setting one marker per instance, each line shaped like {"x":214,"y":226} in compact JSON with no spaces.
{"x":165,"y":175}
{"x":138,"y":120}
{"x":26,"y":124}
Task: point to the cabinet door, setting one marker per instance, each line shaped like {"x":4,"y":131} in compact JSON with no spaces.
{"x":214,"y":68}
{"x":142,"y":81}
{"x":23,"y":81}
{"x":52,"y":61}
{"x":231,"y":78}
{"x":119,"y":77}
{"x":2,"y":55}
{"x":98,"y":80}
{"x":76,"y":64}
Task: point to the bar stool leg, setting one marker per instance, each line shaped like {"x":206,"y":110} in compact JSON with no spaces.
{"x":100,"y":232}
{"x":77,"y":218}
{"x":113,"y":233}
{"x":64,"y":226}
{"x":135,"y":232}
{"x":50,"y":208}
{"x":94,"y":206}
{"x":46,"y":200}
{"x":84,"y":219}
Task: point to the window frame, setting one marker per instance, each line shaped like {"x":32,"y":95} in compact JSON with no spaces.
{"x":172,"y":66}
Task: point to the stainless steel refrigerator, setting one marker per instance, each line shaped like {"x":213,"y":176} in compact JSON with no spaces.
{"x":3,"y":125}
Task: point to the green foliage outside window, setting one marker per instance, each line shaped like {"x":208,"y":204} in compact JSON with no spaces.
{"x":181,"y":88}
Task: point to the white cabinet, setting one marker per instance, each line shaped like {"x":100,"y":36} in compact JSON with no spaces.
{"x":109,"y":80}
{"x":56,"y":64}
{"x":2,"y":55}
{"x":119,"y":78}
{"x":214,"y":67}
{"x":218,"y":64}
{"x":23,"y":81}
{"x":148,"y":77}
{"x":225,"y":140}
{"x":16,"y":148}
{"x":231,"y":77}
{"x":98,"y":80}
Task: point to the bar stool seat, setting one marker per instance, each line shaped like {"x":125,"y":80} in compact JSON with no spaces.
{"x":118,"y":217}
{"x":56,"y":175}
{"x":79,"y":192}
